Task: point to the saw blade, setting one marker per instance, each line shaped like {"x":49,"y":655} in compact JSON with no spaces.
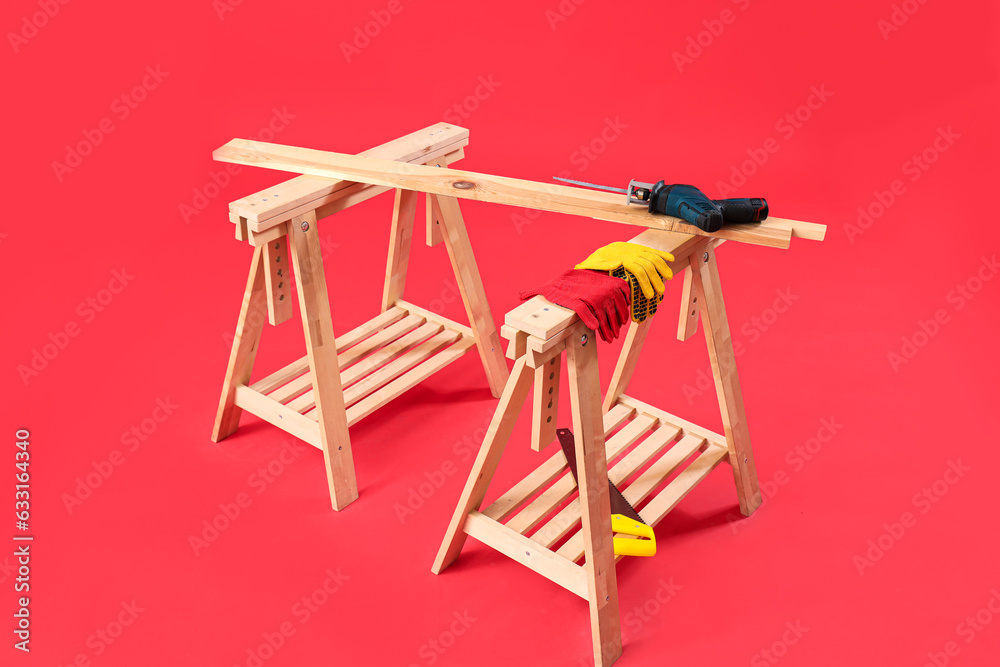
{"x":619,"y":504}
{"x":592,"y":185}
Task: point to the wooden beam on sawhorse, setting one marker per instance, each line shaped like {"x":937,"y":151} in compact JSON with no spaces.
{"x":343,"y":379}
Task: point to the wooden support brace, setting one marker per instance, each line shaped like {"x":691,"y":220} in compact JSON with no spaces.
{"x":434,"y":234}
{"x":278,"y":281}
{"x":687,"y":323}
{"x":248,"y":329}
{"x":404,"y":211}
{"x":545,"y":403}
{"x":321,"y":349}
{"x":470,"y":285}
{"x":705,"y":272}
{"x":628,"y":360}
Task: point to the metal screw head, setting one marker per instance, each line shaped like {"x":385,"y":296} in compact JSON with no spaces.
{"x":583,"y":339}
{"x":705,"y":257}
{"x":305,"y":226}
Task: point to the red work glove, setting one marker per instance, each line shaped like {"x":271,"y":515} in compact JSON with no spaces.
{"x":601,"y":301}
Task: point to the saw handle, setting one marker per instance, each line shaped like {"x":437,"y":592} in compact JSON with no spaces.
{"x":752,"y":209}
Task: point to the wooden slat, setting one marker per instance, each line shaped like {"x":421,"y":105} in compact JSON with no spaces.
{"x":400,"y":364}
{"x":408,"y":380}
{"x":303,"y":193}
{"x":680,"y":486}
{"x":362,"y":373}
{"x":527,"y":553}
{"x":554,"y":466}
{"x":641,"y":487}
{"x":292,"y":388}
{"x":281,"y":416}
{"x":567,"y":519}
{"x":281,"y":376}
{"x":483,"y":187}
{"x":687,"y":427}
{"x":354,"y":354}
{"x":377,"y":323}
{"x":431,"y":316}
{"x":536,"y":511}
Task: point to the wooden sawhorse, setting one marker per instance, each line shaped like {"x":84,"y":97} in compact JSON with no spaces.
{"x":543,"y":522}
{"x":343,"y":379}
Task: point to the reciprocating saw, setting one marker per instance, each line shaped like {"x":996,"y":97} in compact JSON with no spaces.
{"x":688,"y":203}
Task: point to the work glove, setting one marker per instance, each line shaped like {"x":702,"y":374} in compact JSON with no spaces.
{"x":601,"y":301}
{"x":648,"y":266}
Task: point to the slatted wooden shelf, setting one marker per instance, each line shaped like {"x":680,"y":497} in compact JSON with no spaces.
{"x":378,"y":361}
{"x":655,"y":458}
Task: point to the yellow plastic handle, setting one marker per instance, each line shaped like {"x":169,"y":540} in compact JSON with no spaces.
{"x":631,"y":547}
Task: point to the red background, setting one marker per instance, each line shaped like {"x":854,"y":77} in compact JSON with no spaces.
{"x":555,"y":85}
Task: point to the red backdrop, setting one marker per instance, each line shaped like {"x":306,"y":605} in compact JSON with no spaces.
{"x":868,"y":360}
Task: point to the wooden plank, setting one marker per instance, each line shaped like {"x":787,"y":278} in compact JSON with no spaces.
{"x":543,"y":504}
{"x":641,"y":487}
{"x":592,"y":473}
{"x":687,"y":321}
{"x":527,"y":553}
{"x":540,"y":317}
{"x":379,"y":322}
{"x":567,"y":519}
{"x":352,"y":355}
{"x":628,"y":361}
{"x":485,"y":465}
{"x":727,"y":381}
{"x":321,"y":348}
{"x":431,"y":316}
{"x":483,"y":187}
{"x":281,"y":376}
{"x":277,"y":281}
{"x":665,"y":417}
{"x":249,"y":326}
{"x":408,"y":380}
{"x":470,"y":286}
{"x":391,"y":350}
{"x":404,"y":213}
{"x":680,"y":486}
{"x":300,"y":195}
{"x":292,"y":388}
{"x":279,"y":415}
{"x":517,"y":495}
{"x":545,"y":404}
{"x":400,"y":364}
{"x":434,"y":231}
{"x":241,"y":226}
{"x":268,"y":235}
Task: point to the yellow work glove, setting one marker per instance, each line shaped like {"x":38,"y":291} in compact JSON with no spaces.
{"x":648,"y":266}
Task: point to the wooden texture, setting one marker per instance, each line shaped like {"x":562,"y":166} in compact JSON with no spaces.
{"x":628,"y":361}
{"x":687,"y":321}
{"x":249,"y":326}
{"x":434,"y":231}
{"x":470,"y":286}
{"x":279,"y":290}
{"x":592,"y":473}
{"x":307,"y":193}
{"x":511,"y":401}
{"x":321,"y":349}
{"x":545,"y":404}
{"x":400,"y":235}
{"x":775,"y":232}
{"x":727,"y":381}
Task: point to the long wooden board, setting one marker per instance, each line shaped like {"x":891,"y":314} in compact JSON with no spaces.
{"x":773,"y":232}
